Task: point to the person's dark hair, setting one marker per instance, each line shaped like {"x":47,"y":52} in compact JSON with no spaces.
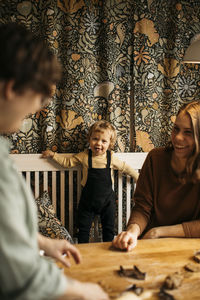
{"x":27,"y":60}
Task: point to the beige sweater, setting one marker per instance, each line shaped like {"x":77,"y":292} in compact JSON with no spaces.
{"x":99,"y":161}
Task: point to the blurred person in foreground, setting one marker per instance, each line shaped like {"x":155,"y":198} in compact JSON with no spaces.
{"x":28,"y":71}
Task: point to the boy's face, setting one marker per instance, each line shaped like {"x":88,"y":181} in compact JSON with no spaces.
{"x":100,"y":141}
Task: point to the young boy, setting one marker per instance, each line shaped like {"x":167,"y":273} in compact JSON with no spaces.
{"x":98,"y":163}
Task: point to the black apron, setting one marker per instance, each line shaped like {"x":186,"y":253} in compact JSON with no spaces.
{"x":98,"y":189}
{"x":97,"y":198}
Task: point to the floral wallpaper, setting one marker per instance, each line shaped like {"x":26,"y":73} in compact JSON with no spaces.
{"x":121,"y":61}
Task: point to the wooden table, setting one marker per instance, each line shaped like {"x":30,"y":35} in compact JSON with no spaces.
{"x":157,"y":257}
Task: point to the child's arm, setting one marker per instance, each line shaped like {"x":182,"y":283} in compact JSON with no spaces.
{"x":47,"y":153}
{"x":64,"y":161}
{"x":124,"y":167}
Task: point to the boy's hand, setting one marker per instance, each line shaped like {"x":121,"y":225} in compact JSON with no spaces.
{"x":47,"y":153}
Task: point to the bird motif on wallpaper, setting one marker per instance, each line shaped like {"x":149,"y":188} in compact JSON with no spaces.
{"x":146,"y":27}
{"x":169,"y":67}
{"x":121,"y":31}
{"x":103,"y":89}
{"x":143,"y":140}
{"x":69,"y":119}
{"x":70,"y":6}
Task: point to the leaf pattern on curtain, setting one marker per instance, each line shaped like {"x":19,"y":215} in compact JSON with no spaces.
{"x":121,"y":62}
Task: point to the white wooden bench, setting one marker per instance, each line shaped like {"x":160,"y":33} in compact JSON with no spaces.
{"x":65,"y":184}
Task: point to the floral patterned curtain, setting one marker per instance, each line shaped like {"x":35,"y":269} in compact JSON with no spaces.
{"x":121,"y":61}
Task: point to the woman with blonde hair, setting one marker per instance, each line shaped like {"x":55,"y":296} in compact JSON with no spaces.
{"x":167,"y":202}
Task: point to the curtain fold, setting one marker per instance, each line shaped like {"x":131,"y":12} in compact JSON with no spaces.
{"x":121,"y":62}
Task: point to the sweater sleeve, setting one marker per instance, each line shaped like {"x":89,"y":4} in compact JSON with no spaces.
{"x":24,"y":274}
{"x":68,"y":162}
{"x":123,"y":167}
{"x":143,"y":196}
{"x":192,"y":229}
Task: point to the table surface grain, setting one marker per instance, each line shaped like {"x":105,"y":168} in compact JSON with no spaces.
{"x":157,"y":257}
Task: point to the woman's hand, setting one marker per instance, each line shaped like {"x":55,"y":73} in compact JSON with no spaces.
{"x":47,"y":153}
{"x":127,"y":239}
{"x":58,"y":249}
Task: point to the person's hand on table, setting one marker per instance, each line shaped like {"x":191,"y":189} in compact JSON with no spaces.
{"x":58,"y":249}
{"x":84,"y":291}
{"x":127,"y":240}
{"x":93,"y":291}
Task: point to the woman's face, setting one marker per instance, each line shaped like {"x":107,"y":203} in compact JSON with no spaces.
{"x":183,"y":136}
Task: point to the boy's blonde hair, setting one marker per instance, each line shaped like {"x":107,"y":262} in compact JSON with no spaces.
{"x":102,"y":125}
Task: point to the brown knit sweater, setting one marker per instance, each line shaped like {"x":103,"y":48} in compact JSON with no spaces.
{"x":162,"y":200}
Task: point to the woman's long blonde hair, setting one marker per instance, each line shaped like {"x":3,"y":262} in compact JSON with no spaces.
{"x":193,"y":164}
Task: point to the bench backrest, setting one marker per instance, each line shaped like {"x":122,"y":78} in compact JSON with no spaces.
{"x":64,"y":185}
